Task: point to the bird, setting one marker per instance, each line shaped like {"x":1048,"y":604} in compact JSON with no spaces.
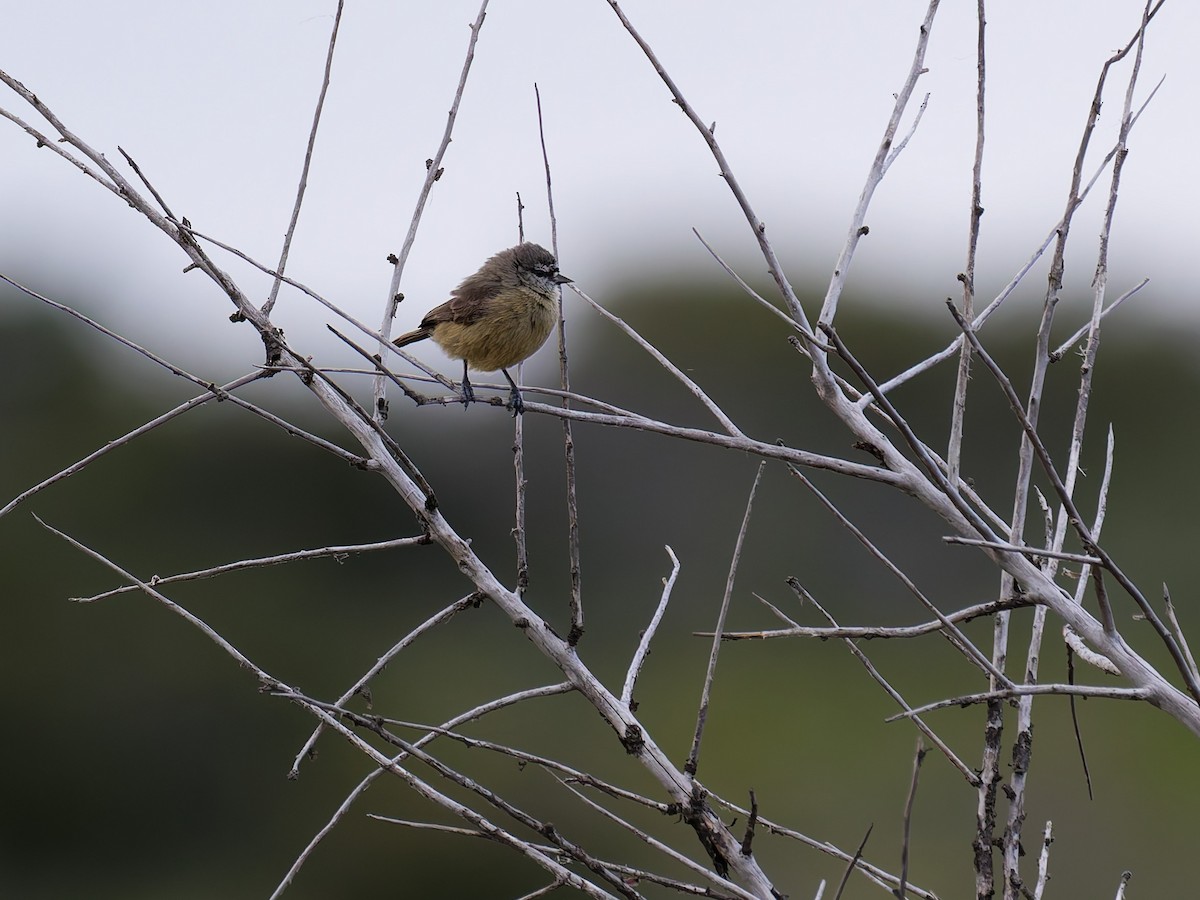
{"x":497,"y":317}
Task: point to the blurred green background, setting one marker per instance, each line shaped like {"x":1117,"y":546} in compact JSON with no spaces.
{"x":141,"y":762}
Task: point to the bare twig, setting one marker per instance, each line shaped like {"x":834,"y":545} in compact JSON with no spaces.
{"x":214,"y":393}
{"x":967,"y":277}
{"x":1125,"y":876}
{"x":661,"y":359}
{"x":1076,"y":520}
{"x":858,"y":654}
{"x":340,"y":553}
{"x":749,"y":445}
{"x":1187,"y":650}
{"x":1027,"y":690}
{"x":643,"y":648}
{"x":693,"y":761}
{"x":1087,"y":774}
{"x":1070,"y":342}
{"x":366,"y":782}
{"x":871,"y":631}
{"x":949,"y":630}
{"x":1035,"y":552}
{"x":438,"y":618}
{"x":759,"y":298}
{"x":853,"y":862}
{"x":573,"y":553}
{"x":955,"y":345}
{"x":433,"y":171}
{"x":1043,"y":875}
{"x":879,"y":165}
{"x":908,"y":809}
{"x":871,"y":872}
{"x":757,"y":226}
{"x":546,"y":860}
{"x":308,"y":152}
{"x":714,"y":877}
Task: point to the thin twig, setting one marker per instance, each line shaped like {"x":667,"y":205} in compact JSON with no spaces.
{"x":759,"y":298}
{"x":361,"y":787}
{"x":523,"y":757}
{"x":870,"y":632}
{"x":967,"y":276}
{"x":1043,"y":875}
{"x":1187,"y":650}
{"x":949,"y":630}
{"x":879,"y":165}
{"x":749,"y":445}
{"x":643,"y":648}
{"x":1076,"y":520}
{"x":662,"y":360}
{"x":208,"y":631}
{"x":308,"y":152}
{"x":629,"y":871}
{"x":214,"y":393}
{"x":757,"y":226}
{"x":548,"y":861}
{"x":658,"y":845}
{"x":291,"y":282}
{"x":1125,"y":876}
{"x":1070,"y":342}
{"x":340,"y":552}
{"x":438,"y":618}
{"x":573,"y":552}
{"x":875,"y":674}
{"x":1087,"y":773}
{"x":693,"y":761}
{"x":433,"y":171}
{"x":1035,"y":552}
{"x":871,"y":872}
{"x":908,"y":810}
{"x":1027,"y":690}
{"x":1007,"y":291}
{"x":853,"y":862}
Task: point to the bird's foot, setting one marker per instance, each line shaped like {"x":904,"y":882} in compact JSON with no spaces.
{"x":515,"y":403}
{"x":468,"y":393}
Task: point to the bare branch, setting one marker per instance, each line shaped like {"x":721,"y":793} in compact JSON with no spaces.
{"x":853,"y":863}
{"x":643,"y":648}
{"x":1043,"y":875}
{"x":872,"y":631}
{"x":308,"y":152}
{"x":433,"y":171}
{"x":658,"y":845}
{"x":340,"y":553}
{"x":693,"y":761}
{"x":756,"y":225}
{"x":1028,"y":690}
{"x":967,"y":276}
{"x":565,"y":382}
{"x":883,"y":159}
{"x":361,"y":787}
{"x":908,"y":808}
{"x":1034,"y":552}
{"x":662,"y":360}
{"x":445,"y":615}
{"x":875,"y":674}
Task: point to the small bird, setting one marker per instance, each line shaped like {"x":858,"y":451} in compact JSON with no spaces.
{"x":497,"y":317}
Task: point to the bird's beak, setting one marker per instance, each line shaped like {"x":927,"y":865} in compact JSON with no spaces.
{"x":560,"y":278}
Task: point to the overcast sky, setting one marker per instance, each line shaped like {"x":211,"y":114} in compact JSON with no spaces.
{"x":214,"y":100}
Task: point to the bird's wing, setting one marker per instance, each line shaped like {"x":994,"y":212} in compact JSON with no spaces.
{"x":470,"y":301}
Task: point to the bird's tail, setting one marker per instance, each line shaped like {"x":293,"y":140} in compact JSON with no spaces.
{"x":411,"y":337}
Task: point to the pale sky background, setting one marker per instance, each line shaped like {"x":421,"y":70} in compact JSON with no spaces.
{"x":214,"y":100}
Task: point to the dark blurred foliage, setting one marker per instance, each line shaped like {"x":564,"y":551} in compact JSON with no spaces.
{"x":140,"y":761}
